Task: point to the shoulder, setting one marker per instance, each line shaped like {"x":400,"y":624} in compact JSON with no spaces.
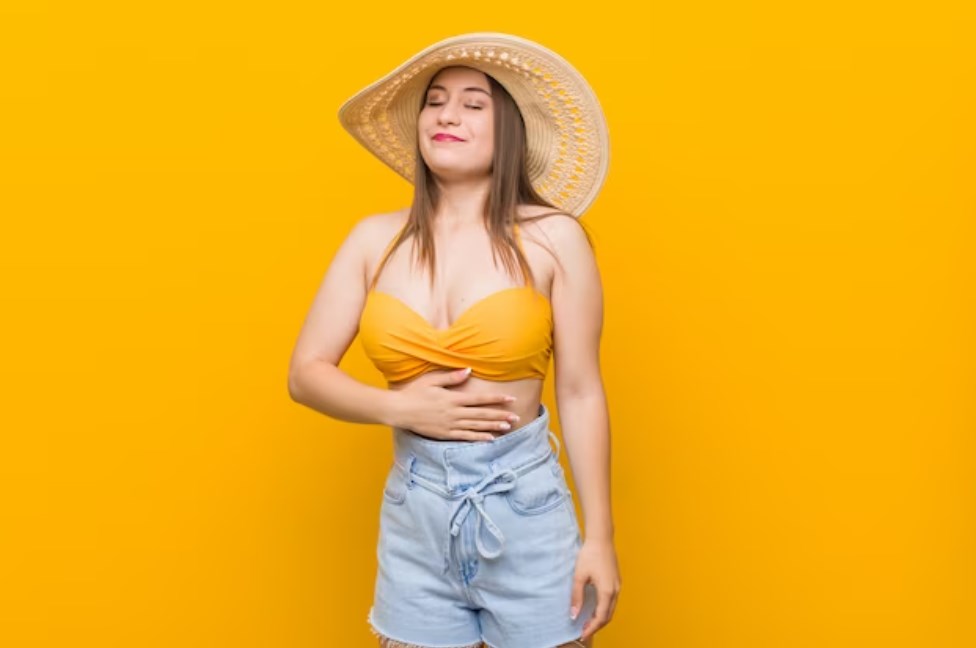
{"x":561,"y":230}
{"x":376,"y":230}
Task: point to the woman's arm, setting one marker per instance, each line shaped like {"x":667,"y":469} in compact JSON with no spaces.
{"x":577,"y":301}
{"x":314,"y":377}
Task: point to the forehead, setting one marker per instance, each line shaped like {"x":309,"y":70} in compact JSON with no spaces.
{"x":453,"y":78}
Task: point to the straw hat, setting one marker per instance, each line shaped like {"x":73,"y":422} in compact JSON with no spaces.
{"x":566,"y":132}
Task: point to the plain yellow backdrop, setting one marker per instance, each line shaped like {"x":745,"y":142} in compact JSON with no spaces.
{"x":785,"y":238}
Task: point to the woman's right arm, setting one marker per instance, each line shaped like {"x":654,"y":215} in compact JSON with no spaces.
{"x":314,"y":377}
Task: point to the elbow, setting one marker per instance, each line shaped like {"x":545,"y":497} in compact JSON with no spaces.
{"x":295,"y":384}
{"x":305,"y":378}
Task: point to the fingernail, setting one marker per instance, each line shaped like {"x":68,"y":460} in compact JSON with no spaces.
{"x":503,"y":425}
{"x":513,"y":418}
{"x":573,"y":612}
{"x":509,"y":398}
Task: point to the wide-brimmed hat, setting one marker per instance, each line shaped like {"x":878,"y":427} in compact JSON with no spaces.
{"x":566,"y":132}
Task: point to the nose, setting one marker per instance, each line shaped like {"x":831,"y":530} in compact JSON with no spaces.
{"x":447,"y":114}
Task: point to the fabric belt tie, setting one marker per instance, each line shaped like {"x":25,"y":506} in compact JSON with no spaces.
{"x":473,"y":499}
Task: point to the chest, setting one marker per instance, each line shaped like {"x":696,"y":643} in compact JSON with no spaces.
{"x":465,"y":272}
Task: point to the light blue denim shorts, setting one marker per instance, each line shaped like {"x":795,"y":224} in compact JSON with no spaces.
{"x":478,"y":543}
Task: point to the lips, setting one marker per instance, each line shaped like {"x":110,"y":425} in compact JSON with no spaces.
{"x":444,"y":137}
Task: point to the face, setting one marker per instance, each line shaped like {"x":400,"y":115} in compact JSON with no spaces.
{"x":455,"y":129}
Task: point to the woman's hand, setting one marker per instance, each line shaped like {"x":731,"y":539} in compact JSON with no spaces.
{"x":428,"y":407}
{"x":596,"y":563}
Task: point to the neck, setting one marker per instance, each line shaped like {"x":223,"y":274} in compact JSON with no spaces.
{"x":462,"y":202}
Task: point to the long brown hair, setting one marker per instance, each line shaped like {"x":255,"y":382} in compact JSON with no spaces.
{"x":510,"y":187}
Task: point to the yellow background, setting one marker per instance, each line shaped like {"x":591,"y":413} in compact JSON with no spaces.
{"x":786,"y":241}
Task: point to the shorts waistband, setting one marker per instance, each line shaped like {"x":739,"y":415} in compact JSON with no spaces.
{"x":453,"y":465}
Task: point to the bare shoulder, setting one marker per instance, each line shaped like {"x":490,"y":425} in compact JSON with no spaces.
{"x":384,"y":222}
{"x":562,"y":231}
{"x":374,"y":231}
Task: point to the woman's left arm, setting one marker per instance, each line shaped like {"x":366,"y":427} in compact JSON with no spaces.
{"x":577,"y":303}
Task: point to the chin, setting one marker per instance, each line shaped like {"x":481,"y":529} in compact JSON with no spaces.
{"x":451,"y":161}
{"x":453,"y":171}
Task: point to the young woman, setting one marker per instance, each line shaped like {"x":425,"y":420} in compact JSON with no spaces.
{"x":506,"y":146}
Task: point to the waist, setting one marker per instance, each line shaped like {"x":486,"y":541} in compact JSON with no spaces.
{"x":454,"y":463}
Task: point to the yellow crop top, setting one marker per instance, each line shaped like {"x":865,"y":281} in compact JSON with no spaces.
{"x":505,"y":336}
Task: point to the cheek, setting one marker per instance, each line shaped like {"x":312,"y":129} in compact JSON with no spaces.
{"x":488,"y":142}
{"x":487,"y":126}
{"x":486,"y":135}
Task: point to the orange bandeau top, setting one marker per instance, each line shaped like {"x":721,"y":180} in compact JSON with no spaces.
{"x":505,"y":336}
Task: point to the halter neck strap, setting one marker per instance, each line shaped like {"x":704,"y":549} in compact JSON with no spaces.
{"x":386,"y":254}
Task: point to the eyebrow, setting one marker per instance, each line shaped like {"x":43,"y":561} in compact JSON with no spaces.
{"x":469,"y":89}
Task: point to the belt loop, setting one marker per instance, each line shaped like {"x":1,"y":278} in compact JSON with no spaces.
{"x":553,"y":436}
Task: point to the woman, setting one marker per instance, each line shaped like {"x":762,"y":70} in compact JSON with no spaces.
{"x":479,"y":542}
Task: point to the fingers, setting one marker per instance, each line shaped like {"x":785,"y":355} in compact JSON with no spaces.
{"x":484,"y":399}
{"x":449,"y":377}
{"x":497,"y":422}
{"x":576,"y":600}
{"x":465,"y":435}
{"x":613,"y":601}
{"x":601,"y":615}
{"x":471,"y":424}
{"x":483,"y":418}
{"x":487,"y":414}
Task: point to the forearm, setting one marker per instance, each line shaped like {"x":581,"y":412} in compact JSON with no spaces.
{"x":585,"y":425}
{"x":331,"y":391}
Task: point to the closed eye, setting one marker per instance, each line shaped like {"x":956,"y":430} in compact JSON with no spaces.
{"x":431,"y":103}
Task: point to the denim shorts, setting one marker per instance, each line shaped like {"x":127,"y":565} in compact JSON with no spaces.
{"x":478,"y":543}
